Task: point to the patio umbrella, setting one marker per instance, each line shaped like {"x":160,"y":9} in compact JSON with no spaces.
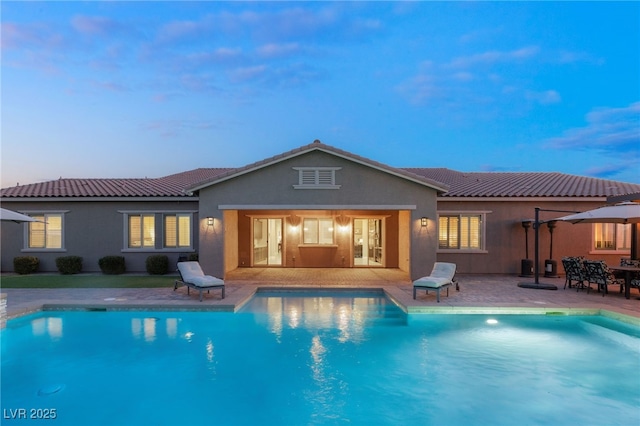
{"x":624,"y":213}
{"x":11,"y":216}
{"x":618,"y":213}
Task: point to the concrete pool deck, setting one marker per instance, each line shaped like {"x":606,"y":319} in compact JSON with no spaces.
{"x":478,"y":294}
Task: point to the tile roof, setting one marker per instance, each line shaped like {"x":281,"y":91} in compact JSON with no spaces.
{"x":461,"y":184}
{"x":167,"y":186}
{"x":524,"y":184}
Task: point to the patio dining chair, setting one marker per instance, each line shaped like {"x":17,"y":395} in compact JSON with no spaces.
{"x":598,"y":273}
{"x":574,"y":271}
{"x":635,"y":278}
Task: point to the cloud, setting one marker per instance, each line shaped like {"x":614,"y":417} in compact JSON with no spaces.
{"x":608,"y":130}
{"x":186,"y":30}
{"x":470,"y":81}
{"x":481,"y":34}
{"x":248,"y":73}
{"x":612,"y":134}
{"x":494,"y":168}
{"x":494,"y":56}
{"x":112,"y":86}
{"x":546,"y":97}
{"x":269,"y":77}
{"x":570,"y":57}
{"x":238,"y":43}
{"x":29,"y":36}
{"x":610,"y":170}
{"x":276,"y":50}
{"x":421,"y":88}
{"x":174,"y":128}
{"x":218,"y":56}
{"x":199,"y":82}
{"x":272,"y":25}
{"x":95,"y":25}
{"x":463,"y":76}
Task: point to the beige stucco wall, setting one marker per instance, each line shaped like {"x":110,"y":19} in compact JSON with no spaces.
{"x":505,"y":236}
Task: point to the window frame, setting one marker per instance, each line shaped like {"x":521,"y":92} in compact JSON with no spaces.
{"x":27,"y":230}
{"x":178,"y":235}
{"x":159,"y":230}
{"x":128,"y":233}
{"x":319,"y":233}
{"x":482,"y":231}
{"x":620,"y":245}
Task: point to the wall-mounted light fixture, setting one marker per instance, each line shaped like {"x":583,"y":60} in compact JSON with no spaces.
{"x":423,"y":222}
{"x":210,"y":221}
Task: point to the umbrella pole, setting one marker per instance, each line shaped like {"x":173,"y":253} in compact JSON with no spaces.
{"x":634,"y":240}
{"x":536,"y":268}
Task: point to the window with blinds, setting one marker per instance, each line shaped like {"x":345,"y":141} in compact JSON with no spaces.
{"x":611,"y":236}
{"x":46,"y":233}
{"x":142,"y":231}
{"x":460,"y":232}
{"x":316,"y":178}
{"x":177,"y":231}
{"x":317,"y":231}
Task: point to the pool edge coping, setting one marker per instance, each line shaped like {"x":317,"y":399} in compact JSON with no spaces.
{"x":390,"y":292}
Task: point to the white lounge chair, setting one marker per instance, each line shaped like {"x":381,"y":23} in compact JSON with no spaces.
{"x":192,"y":276}
{"x":442,"y":276}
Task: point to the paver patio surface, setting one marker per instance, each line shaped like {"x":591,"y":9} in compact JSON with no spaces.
{"x":478,"y":293}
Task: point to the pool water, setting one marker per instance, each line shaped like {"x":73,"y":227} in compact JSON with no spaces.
{"x":338,"y":358}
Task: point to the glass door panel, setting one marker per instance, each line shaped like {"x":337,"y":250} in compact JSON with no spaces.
{"x":367,"y":242}
{"x":267,"y":242}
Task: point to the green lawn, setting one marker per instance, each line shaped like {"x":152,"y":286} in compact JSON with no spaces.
{"x":86,"y":281}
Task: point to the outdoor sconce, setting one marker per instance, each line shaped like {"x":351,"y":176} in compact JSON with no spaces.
{"x":210,"y":221}
{"x":423,"y":222}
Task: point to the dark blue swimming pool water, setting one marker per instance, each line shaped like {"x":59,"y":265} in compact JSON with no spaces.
{"x":319,"y":358}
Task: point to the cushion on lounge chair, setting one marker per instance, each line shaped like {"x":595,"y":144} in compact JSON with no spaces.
{"x":191,"y":273}
{"x":442,"y":276}
{"x":431,"y":282}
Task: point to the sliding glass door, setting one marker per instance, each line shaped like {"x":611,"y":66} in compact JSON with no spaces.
{"x":267,"y":241}
{"x":367,"y":242}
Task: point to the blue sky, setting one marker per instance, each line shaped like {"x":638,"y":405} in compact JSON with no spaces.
{"x":135,"y":89}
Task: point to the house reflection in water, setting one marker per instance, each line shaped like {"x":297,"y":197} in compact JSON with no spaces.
{"x":147,"y":328}
{"x":50,"y":326}
{"x":348,"y":315}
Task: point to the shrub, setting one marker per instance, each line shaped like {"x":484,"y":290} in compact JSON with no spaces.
{"x":25,"y":264}
{"x":193,"y":257}
{"x":157,"y":264}
{"x":112,"y":265}
{"x":69,"y":264}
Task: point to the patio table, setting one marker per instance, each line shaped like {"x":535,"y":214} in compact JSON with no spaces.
{"x":628,"y":270}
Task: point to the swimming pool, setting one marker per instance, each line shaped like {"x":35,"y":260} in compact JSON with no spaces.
{"x":340,"y":358}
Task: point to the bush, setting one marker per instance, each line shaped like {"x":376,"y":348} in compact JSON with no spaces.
{"x":69,"y":264}
{"x":193,"y":257}
{"x":157,"y":264}
{"x":112,"y":265}
{"x":25,"y":264}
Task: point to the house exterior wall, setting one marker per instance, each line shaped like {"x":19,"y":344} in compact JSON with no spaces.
{"x":92,"y":229}
{"x":362,"y":188}
{"x":505,"y":236}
